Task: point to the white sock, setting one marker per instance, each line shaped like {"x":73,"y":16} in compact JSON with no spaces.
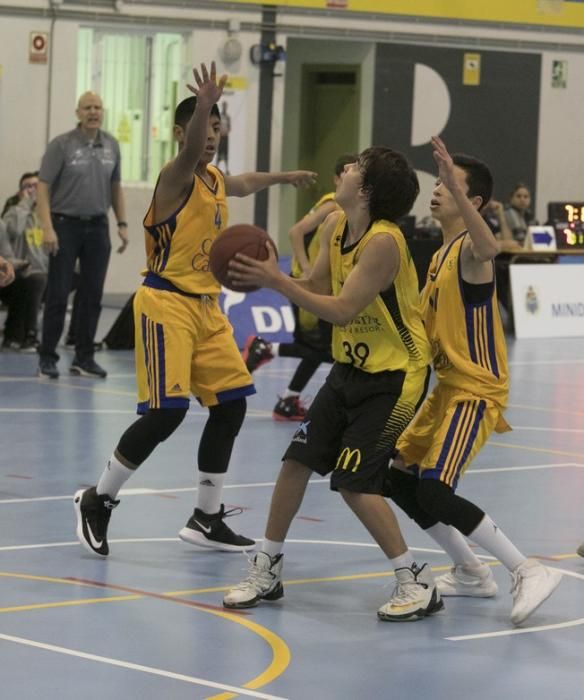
{"x":453,"y":543}
{"x":209,"y":493}
{"x":289,"y":393}
{"x":404,"y":561}
{"x":271,"y":548}
{"x":489,"y":537}
{"x":113,"y":478}
{"x":274,"y":348}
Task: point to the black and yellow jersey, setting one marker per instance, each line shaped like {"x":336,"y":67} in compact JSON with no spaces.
{"x":311,"y":239}
{"x":177,"y":249}
{"x":467,"y":338}
{"x":388,"y":334}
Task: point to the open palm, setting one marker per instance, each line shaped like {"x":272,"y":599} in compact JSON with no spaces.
{"x":206,"y":88}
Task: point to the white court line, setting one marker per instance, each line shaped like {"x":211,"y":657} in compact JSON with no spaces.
{"x":521,"y":630}
{"x":186,"y":489}
{"x":251,"y":412}
{"x":491,"y":470}
{"x":138,"y":667}
{"x":148,"y":492}
{"x":525,"y":630}
{"x":142,"y":540}
{"x":549,"y":430}
{"x":519,"y":363}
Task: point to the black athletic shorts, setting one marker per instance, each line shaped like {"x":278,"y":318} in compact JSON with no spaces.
{"x":353,"y":424}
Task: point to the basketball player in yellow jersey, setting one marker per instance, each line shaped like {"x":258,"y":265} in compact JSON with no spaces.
{"x":312,"y":336}
{"x":184,"y":343}
{"x":459,"y":306}
{"x":364,"y":283}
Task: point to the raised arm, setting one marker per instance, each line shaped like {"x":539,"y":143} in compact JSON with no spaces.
{"x":176,"y":177}
{"x":483,"y":245}
{"x":302,"y":228}
{"x":250,"y":183}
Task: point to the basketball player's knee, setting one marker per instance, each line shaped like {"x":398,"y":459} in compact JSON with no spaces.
{"x":228,"y":417}
{"x":439,"y":501}
{"x":402,"y":488}
{"x":436,"y":498}
{"x":162,"y":422}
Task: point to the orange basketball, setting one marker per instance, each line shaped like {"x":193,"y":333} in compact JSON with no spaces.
{"x":239,"y":238}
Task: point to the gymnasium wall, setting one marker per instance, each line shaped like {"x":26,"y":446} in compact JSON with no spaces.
{"x":33,"y":109}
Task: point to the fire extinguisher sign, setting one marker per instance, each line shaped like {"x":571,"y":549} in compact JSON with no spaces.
{"x":38,"y":48}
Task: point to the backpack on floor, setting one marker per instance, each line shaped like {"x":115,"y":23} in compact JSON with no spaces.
{"x":121,"y":335}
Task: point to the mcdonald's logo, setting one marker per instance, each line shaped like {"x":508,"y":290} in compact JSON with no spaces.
{"x":349,"y":459}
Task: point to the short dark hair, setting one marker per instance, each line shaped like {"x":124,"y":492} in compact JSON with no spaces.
{"x":27,"y":176}
{"x":343,"y":160}
{"x":185,"y":110}
{"x":390,"y":182}
{"x":478,"y":177}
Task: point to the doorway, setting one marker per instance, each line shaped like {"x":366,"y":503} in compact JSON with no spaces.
{"x":329,"y":124}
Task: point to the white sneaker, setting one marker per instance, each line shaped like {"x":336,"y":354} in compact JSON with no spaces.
{"x":533,"y":583}
{"x":474,"y":581}
{"x":263,"y":583}
{"x":580,"y":550}
{"x":414,"y":596}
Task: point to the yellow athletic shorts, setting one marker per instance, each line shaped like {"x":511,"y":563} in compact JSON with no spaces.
{"x":185,"y":346}
{"x":447,"y":432}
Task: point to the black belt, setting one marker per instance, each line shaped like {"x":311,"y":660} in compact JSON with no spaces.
{"x":84,"y":219}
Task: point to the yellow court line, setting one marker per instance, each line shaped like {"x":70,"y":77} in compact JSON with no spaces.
{"x":69,"y":603}
{"x":512,"y":446}
{"x":280,"y":652}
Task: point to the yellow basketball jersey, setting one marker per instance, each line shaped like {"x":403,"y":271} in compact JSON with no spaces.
{"x":177,"y":249}
{"x":312,"y":239}
{"x":388,"y":334}
{"x":467,"y":340}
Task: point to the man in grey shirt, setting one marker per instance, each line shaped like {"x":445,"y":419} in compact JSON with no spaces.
{"x":79,"y":180}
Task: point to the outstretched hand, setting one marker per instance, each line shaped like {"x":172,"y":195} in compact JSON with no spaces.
{"x":245,"y":271}
{"x":206,"y":88}
{"x":444,"y":162}
{"x":301,"y":178}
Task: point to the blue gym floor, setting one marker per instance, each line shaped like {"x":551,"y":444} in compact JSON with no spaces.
{"x":148,"y":623}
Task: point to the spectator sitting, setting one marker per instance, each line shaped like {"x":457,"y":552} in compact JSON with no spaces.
{"x":22,"y":298}
{"x":518,"y":213}
{"x":494,"y":215}
{"x":26,"y":240}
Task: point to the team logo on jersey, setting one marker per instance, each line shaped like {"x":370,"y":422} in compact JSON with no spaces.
{"x":349,"y":459}
{"x":531,"y":300}
{"x":200,"y":261}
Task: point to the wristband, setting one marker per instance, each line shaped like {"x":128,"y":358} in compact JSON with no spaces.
{"x":122,"y":224}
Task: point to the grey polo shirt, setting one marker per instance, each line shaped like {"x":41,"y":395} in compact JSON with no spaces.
{"x":80,"y":173}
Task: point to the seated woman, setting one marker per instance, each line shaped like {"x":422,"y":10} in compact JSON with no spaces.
{"x":22,"y":243}
{"x":518,"y":213}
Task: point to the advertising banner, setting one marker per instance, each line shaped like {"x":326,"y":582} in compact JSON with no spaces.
{"x":263,"y":312}
{"x":548,"y":300}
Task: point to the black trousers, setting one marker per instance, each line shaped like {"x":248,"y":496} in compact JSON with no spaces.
{"x":23,"y":298}
{"x":88,"y":242}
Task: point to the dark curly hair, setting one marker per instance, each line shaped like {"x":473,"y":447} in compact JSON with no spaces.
{"x":389,"y":181}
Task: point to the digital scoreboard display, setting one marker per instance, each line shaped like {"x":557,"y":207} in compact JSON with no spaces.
{"x":567,"y":218}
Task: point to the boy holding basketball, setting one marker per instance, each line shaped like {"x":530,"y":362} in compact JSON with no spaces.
{"x":363,"y":282}
{"x":184,"y":343}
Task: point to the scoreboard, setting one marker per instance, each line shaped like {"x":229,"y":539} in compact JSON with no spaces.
{"x":567,"y":218}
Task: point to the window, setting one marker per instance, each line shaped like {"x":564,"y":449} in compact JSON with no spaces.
{"x":138,"y":77}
